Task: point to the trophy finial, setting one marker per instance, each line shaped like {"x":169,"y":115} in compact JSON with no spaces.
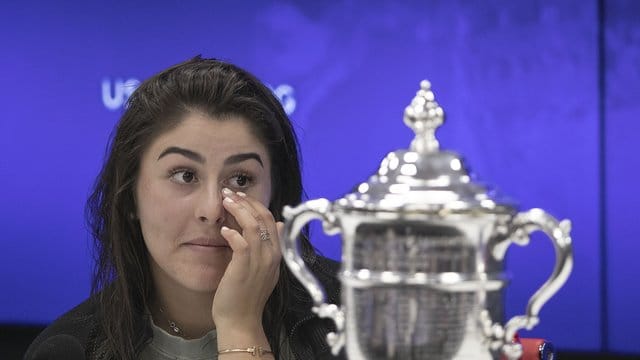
{"x":424,"y":116}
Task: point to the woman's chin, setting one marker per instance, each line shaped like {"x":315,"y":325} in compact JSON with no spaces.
{"x":203,"y":284}
{"x":202,"y":280}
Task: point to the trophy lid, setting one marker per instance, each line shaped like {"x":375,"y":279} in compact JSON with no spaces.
{"x":424,"y":178}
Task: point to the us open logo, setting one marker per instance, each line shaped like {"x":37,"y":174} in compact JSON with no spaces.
{"x":115,"y":93}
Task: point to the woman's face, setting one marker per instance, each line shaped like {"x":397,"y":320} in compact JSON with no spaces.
{"x":179,"y":201}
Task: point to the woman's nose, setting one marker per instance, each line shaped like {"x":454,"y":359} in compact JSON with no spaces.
{"x":209,"y":207}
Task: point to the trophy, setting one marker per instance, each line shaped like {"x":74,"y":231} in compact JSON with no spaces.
{"x":423,"y":246}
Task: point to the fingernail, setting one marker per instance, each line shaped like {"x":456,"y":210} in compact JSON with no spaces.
{"x":224,"y":228}
{"x":241,"y":194}
{"x":229,"y":200}
{"x":227,"y":192}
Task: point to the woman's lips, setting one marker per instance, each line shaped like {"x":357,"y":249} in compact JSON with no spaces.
{"x":208,"y":242}
{"x":207,"y":245}
{"x":207,"y":249}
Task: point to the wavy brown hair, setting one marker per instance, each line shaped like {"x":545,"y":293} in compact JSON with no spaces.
{"x":121,"y":281}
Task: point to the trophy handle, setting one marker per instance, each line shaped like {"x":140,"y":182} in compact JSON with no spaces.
{"x":522,"y":225}
{"x":295,"y":219}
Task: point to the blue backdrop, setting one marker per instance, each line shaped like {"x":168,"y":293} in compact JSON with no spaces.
{"x":542,"y":98}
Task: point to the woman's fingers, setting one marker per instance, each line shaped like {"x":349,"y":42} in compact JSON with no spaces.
{"x":256,"y":221}
{"x":237,"y":243}
{"x":257,"y":227}
{"x":280,"y":228}
{"x":254,"y":268}
{"x":269,"y":232}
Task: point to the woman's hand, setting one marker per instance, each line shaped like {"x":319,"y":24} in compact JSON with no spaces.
{"x":253,"y":270}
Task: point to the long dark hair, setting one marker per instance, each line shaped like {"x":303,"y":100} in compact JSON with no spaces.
{"x":121,"y":281}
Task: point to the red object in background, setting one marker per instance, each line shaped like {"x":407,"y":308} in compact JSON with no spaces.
{"x":535,"y":349}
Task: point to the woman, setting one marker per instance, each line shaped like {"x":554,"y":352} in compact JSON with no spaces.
{"x":186,"y":215}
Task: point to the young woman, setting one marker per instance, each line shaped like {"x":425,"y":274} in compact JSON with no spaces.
{"x":186,"y":216}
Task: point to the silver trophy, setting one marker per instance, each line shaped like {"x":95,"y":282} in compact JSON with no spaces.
{"x":422,"y":257}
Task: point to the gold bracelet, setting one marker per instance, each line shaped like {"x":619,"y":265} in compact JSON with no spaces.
{"x":254,"y":351}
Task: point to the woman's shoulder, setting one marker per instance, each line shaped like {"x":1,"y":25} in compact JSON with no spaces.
{"x":72,"y":328}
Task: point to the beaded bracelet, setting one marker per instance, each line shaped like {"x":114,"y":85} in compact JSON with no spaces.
{"x":254,"y":351}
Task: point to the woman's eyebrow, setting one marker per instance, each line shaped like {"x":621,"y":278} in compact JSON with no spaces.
{"x":184,"y":152}
{"x":234,"y":159}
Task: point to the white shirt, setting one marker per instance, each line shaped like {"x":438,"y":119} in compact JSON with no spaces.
{"x":165,"y":346}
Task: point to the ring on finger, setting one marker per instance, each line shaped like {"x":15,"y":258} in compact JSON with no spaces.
{"x":264,"y":235}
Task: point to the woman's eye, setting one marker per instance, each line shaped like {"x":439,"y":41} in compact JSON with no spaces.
{"x":241,"y":180}
{"x":183,"y":176}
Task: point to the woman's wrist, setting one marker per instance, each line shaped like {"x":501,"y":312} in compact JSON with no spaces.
{"x":255,"y":351}
{"x":253,"y":340}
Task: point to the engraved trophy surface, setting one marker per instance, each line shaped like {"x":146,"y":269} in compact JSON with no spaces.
{"x":422,"y":256}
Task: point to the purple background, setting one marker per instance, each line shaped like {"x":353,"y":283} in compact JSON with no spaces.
{"x":542,"y":98}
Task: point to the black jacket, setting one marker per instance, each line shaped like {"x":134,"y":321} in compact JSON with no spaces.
{"x":306,"y":332}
